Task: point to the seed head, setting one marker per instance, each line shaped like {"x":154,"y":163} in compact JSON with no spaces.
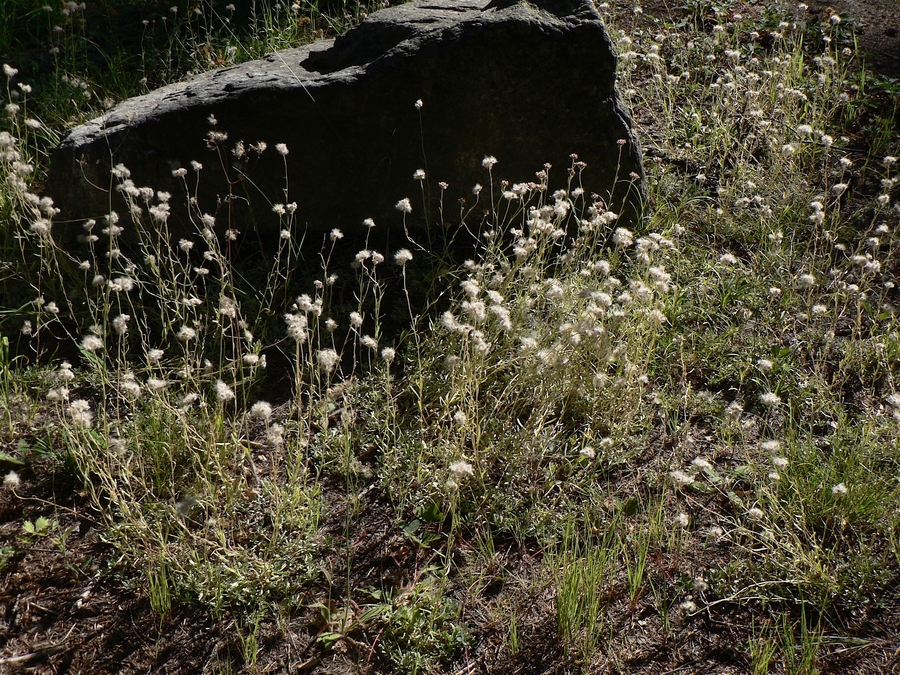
{"x":91,"y":343}
{"x":328,"y":359}
{"x":156,"y":384}
{"x":261,"y":410}
{"x":806,"y":281}
{"x":120,"y":323}
{"x":296,"y":327}
{"x":770,"y":399}
{"x":122,"y":284}
{"x":681,"y":478}
{"x":461,"y":469}
{"x":223,"y":391}
{"x":623,"y":237}
{"x":186,"y":333}
{"x":11,"y":480}
{"x":728,"y":259}
{"x":81,"y":414}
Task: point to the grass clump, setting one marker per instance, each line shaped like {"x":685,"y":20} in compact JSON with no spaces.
{"x":586,"y":439}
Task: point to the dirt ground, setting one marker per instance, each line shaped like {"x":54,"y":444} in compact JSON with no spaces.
{"x":877,"y":25}
{"x":67,"y":606}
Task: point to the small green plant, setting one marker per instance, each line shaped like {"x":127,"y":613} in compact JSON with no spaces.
{"x":762,"y":650}
{"x":40,"y":527}
{"x":420,"y":630}
{"x":248,"y":634}
{"x":800,"y":643}
{"x":637,"y":545}
{"x":513,"y":633}
{"x":159,"y":590}
{"x":6,"y":552}
{"x":584,"y":568}
{"x":6,"y":381}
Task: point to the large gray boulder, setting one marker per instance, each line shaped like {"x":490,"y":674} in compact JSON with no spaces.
{"x":527,"y":82}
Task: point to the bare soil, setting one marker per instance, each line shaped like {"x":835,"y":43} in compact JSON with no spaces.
{"x":877,"y":26}
{"x":67,"y":605}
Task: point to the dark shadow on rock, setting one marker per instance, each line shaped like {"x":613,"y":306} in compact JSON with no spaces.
{"x":528,"y":83}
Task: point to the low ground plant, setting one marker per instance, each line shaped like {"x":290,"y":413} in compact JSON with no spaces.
{"x":650,"y":427}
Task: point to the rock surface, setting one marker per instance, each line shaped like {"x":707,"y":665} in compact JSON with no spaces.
{"x":527,"y":82}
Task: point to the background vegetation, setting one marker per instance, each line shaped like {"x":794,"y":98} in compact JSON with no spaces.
{"x":586,"y":449}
